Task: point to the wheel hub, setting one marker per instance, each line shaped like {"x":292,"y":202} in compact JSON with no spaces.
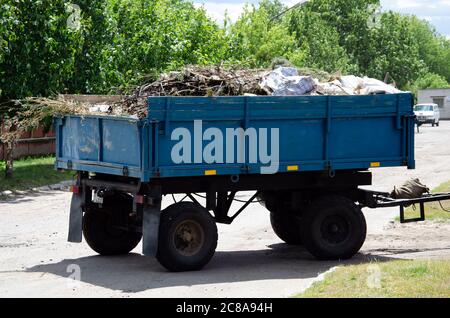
{"x":335,"y":229}
{"x":189,"y":238}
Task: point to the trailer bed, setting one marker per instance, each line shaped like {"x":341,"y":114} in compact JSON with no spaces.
{"x":316,"y":133}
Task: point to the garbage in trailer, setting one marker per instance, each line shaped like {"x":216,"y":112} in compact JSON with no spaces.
{"x":220,"y":81}
{"x":285,"y":81}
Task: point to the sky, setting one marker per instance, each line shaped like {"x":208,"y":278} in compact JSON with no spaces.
{"x":435,"y":11}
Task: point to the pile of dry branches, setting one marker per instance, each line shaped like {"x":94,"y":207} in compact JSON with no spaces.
{"x":31,"y":113}
{"x":20,"y":116}
{"x":197,"y":81}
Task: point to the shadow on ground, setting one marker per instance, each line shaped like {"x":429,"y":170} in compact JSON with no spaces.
{"x":135,"y":273}
{"x":27,"y":196}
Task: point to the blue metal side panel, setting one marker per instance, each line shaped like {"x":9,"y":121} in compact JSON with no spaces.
{"x":410,"y":136}
{"x":368,"y":138}
{"x":316,"y":133}
{"x":99,"y":144}
{"x":121,"y":143}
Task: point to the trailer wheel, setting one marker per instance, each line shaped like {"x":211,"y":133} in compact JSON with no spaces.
{"x":286,"y":227}
{"x":333,"y":228}
{"x":187,"y":237}
{"x":105,"y":228}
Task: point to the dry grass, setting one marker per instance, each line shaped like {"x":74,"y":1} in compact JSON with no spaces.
{"x":31,"y":113}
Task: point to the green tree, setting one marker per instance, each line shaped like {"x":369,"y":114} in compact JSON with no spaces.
{"x":396,"y":51}
{"x":434,"y":49}
{"x":257,"y":39}
{"x":273,"y":8}
{"x":40,"y":48}
{"x":429,"y":80}
{"x":94,"y":34}
{"x":7,"y":21}
{"x":445,"y":58}
{"x":157,"y":35}
{"x":320,"y":41}
{"x":113,"y":44}
{"x":345,"y":25}
{"x":119,"y":42}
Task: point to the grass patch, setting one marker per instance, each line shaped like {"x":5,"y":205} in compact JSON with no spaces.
{"x":433,"y":210}
{"x":393,"y":279}
{"x":31,"y":173}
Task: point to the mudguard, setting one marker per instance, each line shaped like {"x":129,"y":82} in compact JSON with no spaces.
{"x":151,"y":220}
{"x":76,"y":218}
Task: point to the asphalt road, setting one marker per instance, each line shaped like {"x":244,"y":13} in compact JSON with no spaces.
{"x":36,"y":260}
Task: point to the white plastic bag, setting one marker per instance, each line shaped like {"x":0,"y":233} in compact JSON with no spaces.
{"x":333,"y":88}
{"x":374,"y":86}
{"x":284,"y":81}
{"x":352,"y":83}
{"x":296,"y":85}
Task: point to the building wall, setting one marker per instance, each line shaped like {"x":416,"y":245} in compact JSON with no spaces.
{"x":427,"y":95}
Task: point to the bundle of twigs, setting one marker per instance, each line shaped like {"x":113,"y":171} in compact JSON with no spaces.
{"x":197,"y":81}
{"x":31,"y":113}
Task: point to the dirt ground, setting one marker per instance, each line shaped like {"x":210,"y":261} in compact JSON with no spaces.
{"x":36,"y":260}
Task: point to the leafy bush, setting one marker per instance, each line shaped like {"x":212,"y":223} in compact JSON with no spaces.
{"x":117,"y":42}
{"x":429,"y":80}
{"x":98,"y":46}
{"x":398,"y":52}
{"x":39,"y":49}
{"x":255,"y":37}
{"x":151,"y":35}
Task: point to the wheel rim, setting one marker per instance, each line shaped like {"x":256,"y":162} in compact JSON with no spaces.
{"x":335,"y":229}
{"x":188,"y":238}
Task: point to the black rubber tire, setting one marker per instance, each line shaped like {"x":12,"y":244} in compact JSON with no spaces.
{"x":168,"y":254}
{"x":286,"y":227}
{"x":333,"y":228}
{"x":100,"y":233}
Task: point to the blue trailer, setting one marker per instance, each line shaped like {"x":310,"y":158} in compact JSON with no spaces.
{"x":305,"y":157}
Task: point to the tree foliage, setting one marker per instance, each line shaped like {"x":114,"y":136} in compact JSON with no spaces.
{"x":257,"y":39}
{"x":429,"y":80}
{"x":398,"y":51}
{"x":94,"y":36}
{"x":40,"y":49}
{"x":345,"y":25}
{"x":319,"y":41}
{"x":433,"y":48}
{"x":117,"y":43}
{"x":157,"y":35}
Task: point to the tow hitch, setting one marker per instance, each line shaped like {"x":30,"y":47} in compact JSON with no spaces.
{"x":375,"y":200}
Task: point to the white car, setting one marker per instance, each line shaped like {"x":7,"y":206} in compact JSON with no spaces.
{"x":427,"y":114}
